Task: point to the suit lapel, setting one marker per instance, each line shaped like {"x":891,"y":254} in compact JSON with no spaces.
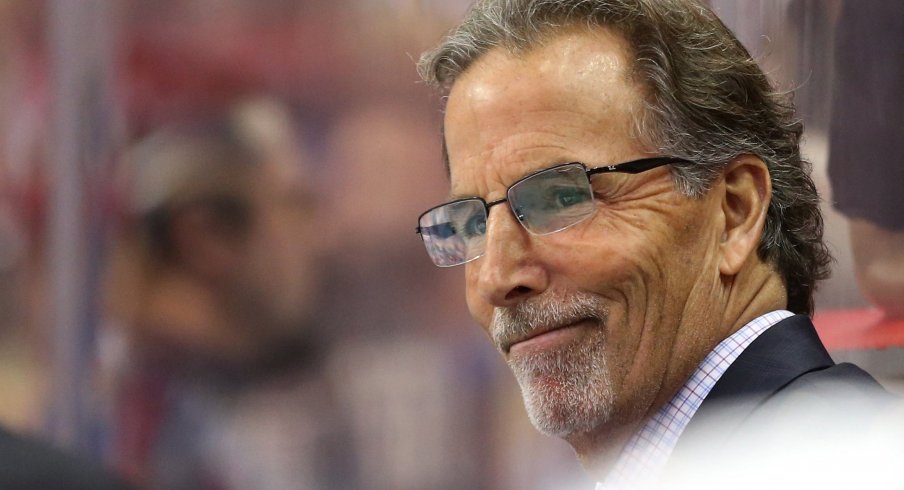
{"x":783,"y":352}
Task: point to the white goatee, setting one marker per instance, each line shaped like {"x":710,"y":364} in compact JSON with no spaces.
{"x":567,"y":390}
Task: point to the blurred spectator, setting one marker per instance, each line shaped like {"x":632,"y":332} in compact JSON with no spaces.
{"x":868,"y":119}
{"x":417,"y":386}
{"x":16,"y":363}
{"x":23,"y":352}
{"x":381,"y":154}
{"x":212,"y":281}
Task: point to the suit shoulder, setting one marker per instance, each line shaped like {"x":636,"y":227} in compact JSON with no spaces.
{"x":843,"y":384}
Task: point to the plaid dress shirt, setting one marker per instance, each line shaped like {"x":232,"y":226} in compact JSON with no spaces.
{"x":646,"y":453}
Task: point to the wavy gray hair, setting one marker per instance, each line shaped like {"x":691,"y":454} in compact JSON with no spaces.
{"x":706,"y":100}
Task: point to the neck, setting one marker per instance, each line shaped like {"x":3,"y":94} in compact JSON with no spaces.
{"x":756,"y":290}
{"x":598,"y":451}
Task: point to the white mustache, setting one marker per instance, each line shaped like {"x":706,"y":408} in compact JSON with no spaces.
{"x":545,"y":312}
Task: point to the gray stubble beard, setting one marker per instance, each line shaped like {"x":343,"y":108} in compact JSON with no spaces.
{"x":566,"y":391}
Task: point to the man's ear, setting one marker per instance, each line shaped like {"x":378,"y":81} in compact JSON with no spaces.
{"x":205,"y":245}
{"x":747,"y":193}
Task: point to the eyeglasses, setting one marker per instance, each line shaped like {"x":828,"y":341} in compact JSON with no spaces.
{"x":544,"y":202}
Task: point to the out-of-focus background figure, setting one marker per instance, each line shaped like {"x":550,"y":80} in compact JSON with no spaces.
{"x":865,"y":172}
{"x":213,"y":281}
{"x":202,"y":279}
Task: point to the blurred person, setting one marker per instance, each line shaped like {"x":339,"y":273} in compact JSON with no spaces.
{"x":213,"y":280}
{"x":641,"y":240}
{"x":868,"y":116}
{"x":416,"y":385}
{"x":23,"y":379}
{"x":369,"y":150}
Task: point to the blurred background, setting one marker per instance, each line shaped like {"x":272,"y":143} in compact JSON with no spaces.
{"x":209,"y":276}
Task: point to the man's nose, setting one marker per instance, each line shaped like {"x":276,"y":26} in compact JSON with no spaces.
{"x":509,"y":270}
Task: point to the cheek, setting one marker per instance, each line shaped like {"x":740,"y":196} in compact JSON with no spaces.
{"x":481,"y":310}
{"x":641,"y":245}
{"x":641,"y":262}
{"x":608,"y":257}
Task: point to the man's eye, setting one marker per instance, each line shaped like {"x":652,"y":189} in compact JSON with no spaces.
{"x":475,"y":226}
{"x":568,"y":197}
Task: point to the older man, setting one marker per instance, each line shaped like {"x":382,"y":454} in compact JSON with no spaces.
{"x":639,"y":229}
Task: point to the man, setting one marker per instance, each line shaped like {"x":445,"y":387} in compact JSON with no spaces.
{"x":218,"y":249}
{"x":641,"y":235}
{"x":214,"y":283}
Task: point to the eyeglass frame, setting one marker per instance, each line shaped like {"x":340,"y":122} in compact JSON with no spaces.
{"x":629,"y":167}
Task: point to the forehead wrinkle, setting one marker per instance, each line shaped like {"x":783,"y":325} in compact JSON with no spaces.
{"x":513,"y":165}
{"x":560,"y":68}
{"x":514,"y":140}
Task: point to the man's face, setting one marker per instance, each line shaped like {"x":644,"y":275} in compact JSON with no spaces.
{"x":602,"y":322}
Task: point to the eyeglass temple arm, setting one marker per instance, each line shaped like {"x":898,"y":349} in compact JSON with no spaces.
{"x":637,"y":166}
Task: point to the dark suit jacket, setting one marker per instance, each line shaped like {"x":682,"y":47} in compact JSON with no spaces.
{"x":28,"y":464}
{"x":784,"y":391}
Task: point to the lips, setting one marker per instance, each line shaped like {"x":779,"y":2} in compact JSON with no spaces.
{"x":550,"y":334}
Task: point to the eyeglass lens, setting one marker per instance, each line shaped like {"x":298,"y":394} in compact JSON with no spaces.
{"x":553,"y":199}
{"x":544,"y":203}
{"x":454,"y":233}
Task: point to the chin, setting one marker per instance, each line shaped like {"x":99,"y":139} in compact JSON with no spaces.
{"x":565,"y":421}
{"x":566,"y":392}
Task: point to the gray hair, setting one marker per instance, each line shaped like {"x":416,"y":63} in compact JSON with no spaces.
{"x":706,"y":100}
